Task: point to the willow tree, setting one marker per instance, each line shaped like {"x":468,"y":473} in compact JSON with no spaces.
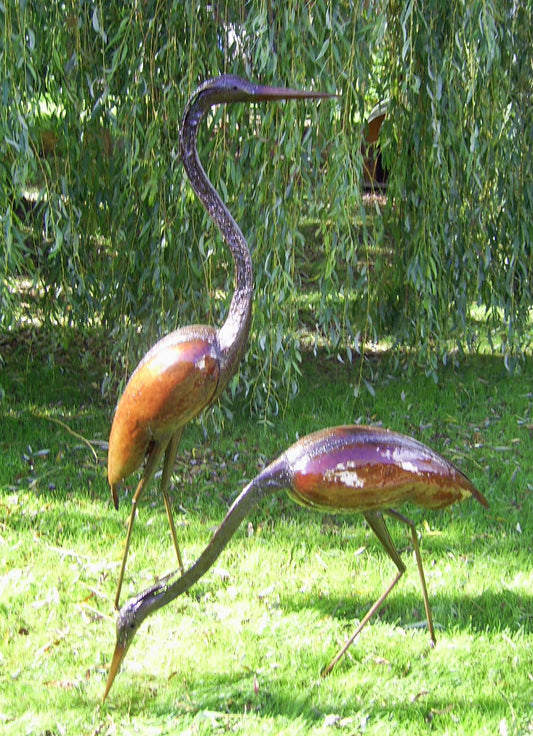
{"x":97,"y":217}
{"x":459,"y":143}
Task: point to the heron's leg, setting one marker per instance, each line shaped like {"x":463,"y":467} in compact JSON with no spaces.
{"x":429,"y":617}
{"x":377,"y":524}
{"x":149,"y":469}
{"x":168,"y":464}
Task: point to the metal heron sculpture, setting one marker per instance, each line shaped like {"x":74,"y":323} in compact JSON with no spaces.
{"x":342,"y":469}
{"x":187,"y":370}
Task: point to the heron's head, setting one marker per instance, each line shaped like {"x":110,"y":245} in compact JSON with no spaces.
{"x":130,"y":617}
{"x":230,"y":88}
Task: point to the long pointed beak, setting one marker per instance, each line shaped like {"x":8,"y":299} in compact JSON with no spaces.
{"x":118,"y":656}
{"x":263,"y":93}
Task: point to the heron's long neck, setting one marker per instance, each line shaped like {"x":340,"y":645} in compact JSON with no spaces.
{"x":234,"y":332}
{"x":271,"y":479}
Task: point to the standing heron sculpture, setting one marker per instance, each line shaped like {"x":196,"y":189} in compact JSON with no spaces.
{"x":187,"y":370}
{"x":342,"y":469}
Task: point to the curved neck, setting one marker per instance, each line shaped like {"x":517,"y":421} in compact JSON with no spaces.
{"x":234,"y":332}
{"x":273,"y":478}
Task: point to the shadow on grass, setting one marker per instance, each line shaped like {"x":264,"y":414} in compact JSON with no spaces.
{"x":68,"y":351}
{"x":504,"y":610}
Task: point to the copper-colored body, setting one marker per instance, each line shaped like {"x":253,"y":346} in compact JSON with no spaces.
{"x":173,"y":383}
{"x":357,"y":468}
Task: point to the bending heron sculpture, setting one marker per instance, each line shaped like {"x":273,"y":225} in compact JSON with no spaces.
{"x":342,"y":469}
{"x":187,"y":370}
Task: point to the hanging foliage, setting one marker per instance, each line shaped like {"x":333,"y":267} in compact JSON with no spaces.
{"x":459,"y":147}
{"x":97,"y":217}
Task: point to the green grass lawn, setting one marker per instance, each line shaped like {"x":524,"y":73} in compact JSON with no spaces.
{"x":242,"y":653}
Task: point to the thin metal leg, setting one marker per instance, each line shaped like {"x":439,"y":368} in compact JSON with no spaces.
{"x":149,"y":470}
{"x":170,"y":456}
{"x":377,"y":524}
{"x":363,"y":623}
{"x":416,"y":546}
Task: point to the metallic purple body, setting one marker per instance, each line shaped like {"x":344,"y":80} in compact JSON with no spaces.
{"x":358,"y":468}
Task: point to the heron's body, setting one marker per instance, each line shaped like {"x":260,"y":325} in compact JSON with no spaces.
{"x":174,"y":381}
{"x":346,"y":469}
{"x":357,"y":468}
{"x":186,"y":371}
